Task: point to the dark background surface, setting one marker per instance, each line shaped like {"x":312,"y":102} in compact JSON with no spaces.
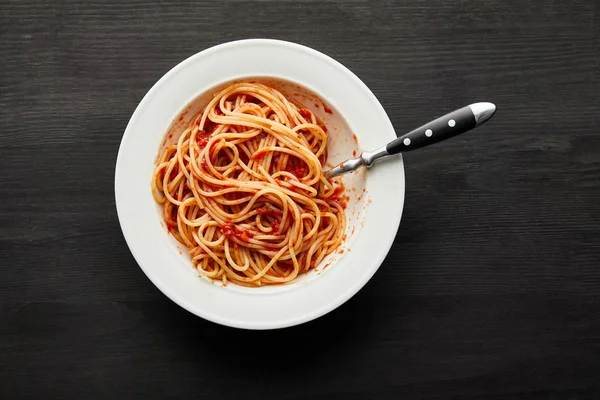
{"x":490,"y":291}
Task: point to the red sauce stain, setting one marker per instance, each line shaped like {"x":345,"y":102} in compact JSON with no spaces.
{"x":338,"y":191}
{"x":338,"y":197}
{"x":275,"y":225}
{"x":327,"y":109}
{"x":342,"y":201}
{"x":306,"y":114}
{"x":324,"y":128}
{"x":231,"y":230}
{"x":355,"y":138}
{"x":316,"y":105}
{"x":299,"y":171}
{"x":354,"y":153}
{"x":341,"y":251}
{"x":202,"y":139}
{"x":209,"y":126}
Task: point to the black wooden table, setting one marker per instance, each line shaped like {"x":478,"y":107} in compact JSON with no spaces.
{"x":492,"y":287}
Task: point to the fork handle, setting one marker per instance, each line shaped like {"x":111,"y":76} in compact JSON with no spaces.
{"x":442,"y":128}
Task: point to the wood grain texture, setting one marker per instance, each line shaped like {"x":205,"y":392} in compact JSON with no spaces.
{"x":492,"y":287}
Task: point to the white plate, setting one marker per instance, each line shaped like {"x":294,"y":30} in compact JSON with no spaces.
{"x":308,"y":77}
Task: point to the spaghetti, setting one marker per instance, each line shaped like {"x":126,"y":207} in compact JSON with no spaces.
{"x":243,"y":188}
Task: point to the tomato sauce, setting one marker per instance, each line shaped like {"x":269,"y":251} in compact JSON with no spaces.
{"x":275,"y":214}
{"x":232,"y":230}
{"x":202,"y":139}
{"x":338,"y":197}
{"x":209,"y":126}
{"x":299,"y":171}
{"x":276,"y":225}
{"x":305,"y":113}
